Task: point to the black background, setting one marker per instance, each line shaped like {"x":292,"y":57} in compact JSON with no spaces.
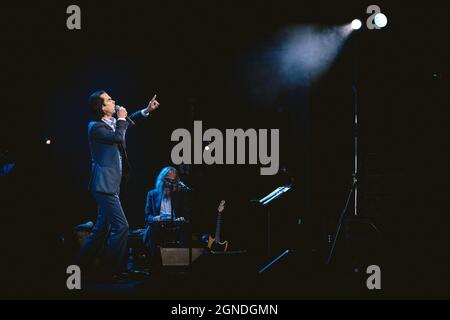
{"x":198,"y":56}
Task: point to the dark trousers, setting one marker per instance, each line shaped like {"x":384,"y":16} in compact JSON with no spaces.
{"x":110,"y":233}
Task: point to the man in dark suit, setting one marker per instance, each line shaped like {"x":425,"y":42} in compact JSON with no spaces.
{"x":109,"y":166}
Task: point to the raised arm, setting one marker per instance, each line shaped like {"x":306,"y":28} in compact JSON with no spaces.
{"x":152,"y":106}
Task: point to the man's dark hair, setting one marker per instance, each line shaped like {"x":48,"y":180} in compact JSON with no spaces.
{"x":96,"y":104}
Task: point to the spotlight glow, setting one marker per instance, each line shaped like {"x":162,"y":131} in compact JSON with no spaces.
{"x":48,"y":141}
{"x":356,"y":24}
{"x":380,"y":20}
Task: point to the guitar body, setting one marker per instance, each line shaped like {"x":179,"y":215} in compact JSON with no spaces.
{"x":216,"y":246}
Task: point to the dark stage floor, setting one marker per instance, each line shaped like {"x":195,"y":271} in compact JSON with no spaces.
{"x":296,"y":276}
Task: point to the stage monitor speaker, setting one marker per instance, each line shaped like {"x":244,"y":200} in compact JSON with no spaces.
{"x":179,"y":256}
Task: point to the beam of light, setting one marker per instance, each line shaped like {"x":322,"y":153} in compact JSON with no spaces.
{"x":295,"y":58}
{"x":356,"y":24}
{"x":310,"y":51}
{"x":380,"y":20}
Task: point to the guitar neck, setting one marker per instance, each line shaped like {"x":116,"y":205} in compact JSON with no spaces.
{"x":219,"y":220}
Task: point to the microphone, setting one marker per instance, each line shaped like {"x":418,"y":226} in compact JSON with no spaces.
{"x":128,"y":118}
{"x":181,"y":183}
{"x":178,"y":183}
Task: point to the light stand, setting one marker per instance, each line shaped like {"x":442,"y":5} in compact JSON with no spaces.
{"x":354,"y":189}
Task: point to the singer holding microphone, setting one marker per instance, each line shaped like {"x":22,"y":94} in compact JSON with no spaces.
{"x":106,"y":136}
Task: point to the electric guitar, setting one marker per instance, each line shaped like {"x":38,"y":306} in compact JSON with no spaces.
{"x":215,"y":244}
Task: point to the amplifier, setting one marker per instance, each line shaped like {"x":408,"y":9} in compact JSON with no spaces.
{"x":179,"y":256}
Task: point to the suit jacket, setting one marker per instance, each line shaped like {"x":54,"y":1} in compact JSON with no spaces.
{"x":105,"y":146}
{"x":180,"y":207}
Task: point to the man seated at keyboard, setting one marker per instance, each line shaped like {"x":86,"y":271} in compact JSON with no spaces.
{"x":165,"y":212}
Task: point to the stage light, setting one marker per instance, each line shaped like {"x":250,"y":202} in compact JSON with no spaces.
{"x":48,"y":141}
{"x":356,"y":24}
{"x":380,"y":20}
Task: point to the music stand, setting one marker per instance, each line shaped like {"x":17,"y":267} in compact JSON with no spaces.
{"x":265,"y":201}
